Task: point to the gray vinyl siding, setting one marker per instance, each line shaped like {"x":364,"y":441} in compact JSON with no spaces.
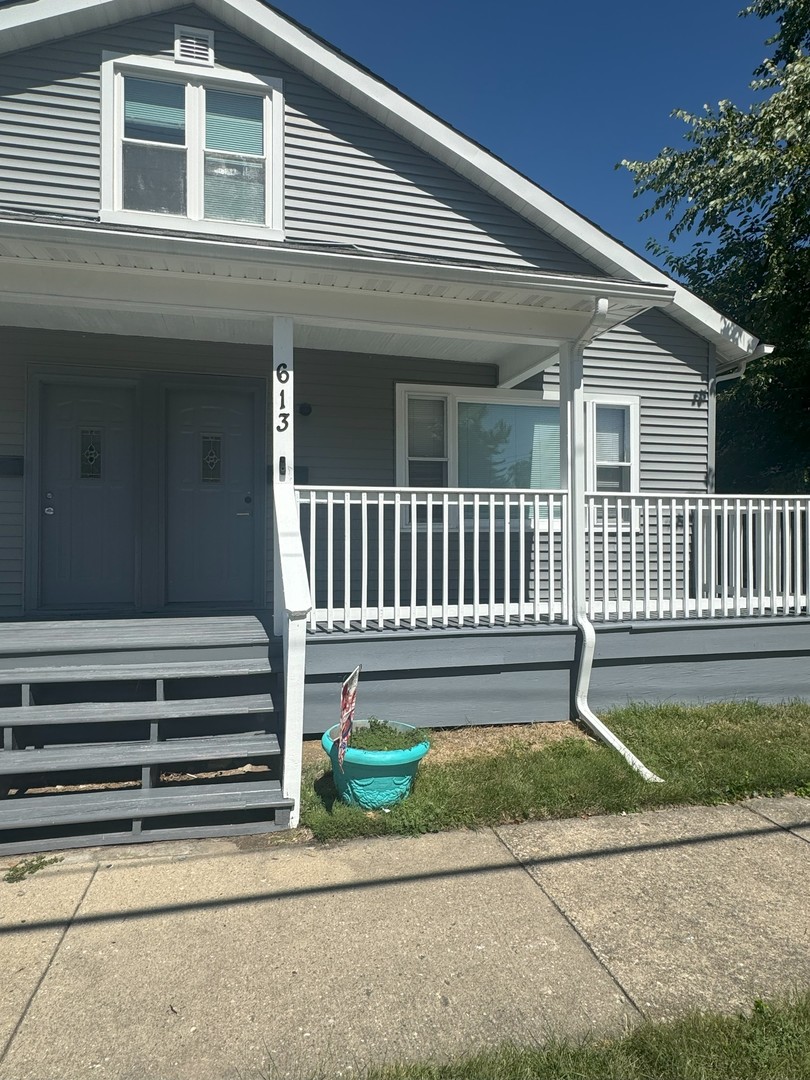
{"x":348,"y":179}
{"x":350,"y":436}
{"x":666,"y":366}
{"x":12,"y":435}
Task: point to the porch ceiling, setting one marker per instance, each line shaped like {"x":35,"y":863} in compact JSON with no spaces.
{"x":84,"y":279}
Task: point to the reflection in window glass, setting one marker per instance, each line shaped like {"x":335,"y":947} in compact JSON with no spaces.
{"x":508,"y":446}
{"x":154,"y":111}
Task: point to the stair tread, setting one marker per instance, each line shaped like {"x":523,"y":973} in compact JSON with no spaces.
{"x":70,"y":635}
{"x":118,"y":672}
{"x":49,"y":810}
{"x":95,"y":712}
{"x":114,"y":755}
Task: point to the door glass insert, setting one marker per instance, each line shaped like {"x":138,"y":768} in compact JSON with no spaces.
{"x":212,"y":459}
{"x":90,"y":460}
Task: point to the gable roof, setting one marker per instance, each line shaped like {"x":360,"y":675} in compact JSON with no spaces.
{"x":25,"y":24}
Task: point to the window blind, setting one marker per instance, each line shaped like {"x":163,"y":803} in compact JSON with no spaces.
{"x":611,"y":434}
{"x":154,"y":111}
{"x":234,"y":122}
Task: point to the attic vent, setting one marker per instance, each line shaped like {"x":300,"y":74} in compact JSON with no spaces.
{"x":193,"y":46}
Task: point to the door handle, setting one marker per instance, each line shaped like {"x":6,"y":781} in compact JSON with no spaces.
{"x":49,"y":510}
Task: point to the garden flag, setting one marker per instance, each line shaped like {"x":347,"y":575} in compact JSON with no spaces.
{"x":348,"y":697}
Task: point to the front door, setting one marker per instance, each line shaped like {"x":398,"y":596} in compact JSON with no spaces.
{"x":87,"y":496}
{"x":210,"y":499}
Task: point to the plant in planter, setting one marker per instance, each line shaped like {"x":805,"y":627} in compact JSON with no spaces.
{"x":380,"y":761}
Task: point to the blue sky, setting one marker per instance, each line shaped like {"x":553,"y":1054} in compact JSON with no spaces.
{"x":560,"y":90}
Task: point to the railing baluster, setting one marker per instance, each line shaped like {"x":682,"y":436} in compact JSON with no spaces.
{"x":552,"y":561}
{"x":380,"y":561}
{"x":445,"y":560}
{"x":737,"y":563}
{"x":751,"y":558}
{"x":784,"y":553}
{"x":491,"y":590}
{"x":462,"y":541}
{"x":476,"y":559}
{"x":711,"y":514}
{"x":619,"y":562}
{"x":521,"y":559}
{"x":347,"y":561}
{"x":774,"y":562}
{"x":414,"y":559}
{"x":312,"y":500}
{"x":397,"y":560}
{"x":606,"y":557}
{"x":364,"y":560}
{"x":536,"y":558}
{"x":590,"y":555}
{"x":429,"y":560}
{"x":507,"y":558}
{"x":330,"y":561}
{"x":631,"y":512}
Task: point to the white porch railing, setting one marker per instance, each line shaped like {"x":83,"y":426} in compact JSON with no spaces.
{"x":696,"y":556}
{"x":386,"y":558}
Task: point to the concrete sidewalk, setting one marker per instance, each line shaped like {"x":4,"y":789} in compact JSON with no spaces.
{"x":220,"y":959}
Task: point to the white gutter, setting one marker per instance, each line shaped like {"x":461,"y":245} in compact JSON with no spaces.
{"x":738,"y":371}
{"x":572,"y":416}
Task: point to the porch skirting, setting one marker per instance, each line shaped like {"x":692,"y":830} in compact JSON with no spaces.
{"x":525,"y":674}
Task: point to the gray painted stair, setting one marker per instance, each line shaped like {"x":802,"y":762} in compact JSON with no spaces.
{"x":54,"y":810}
{"x":54,"y":662}
{"x":104,"y":712}
{"x":121,"y":754}
{"x":135,"y":672}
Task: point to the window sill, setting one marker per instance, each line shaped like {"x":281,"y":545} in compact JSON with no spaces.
{"x":169,"y":223}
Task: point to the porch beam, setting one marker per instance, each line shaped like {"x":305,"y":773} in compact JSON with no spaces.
{"x":208,"y":299}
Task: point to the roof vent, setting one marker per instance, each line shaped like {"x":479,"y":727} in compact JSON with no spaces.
{"x":193,"y":46}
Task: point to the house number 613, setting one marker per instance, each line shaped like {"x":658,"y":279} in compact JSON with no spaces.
{"x":282,"y":376}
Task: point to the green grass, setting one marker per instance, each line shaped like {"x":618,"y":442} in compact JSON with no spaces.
{"x":771,"y":1043}
{"x":707,"y":755}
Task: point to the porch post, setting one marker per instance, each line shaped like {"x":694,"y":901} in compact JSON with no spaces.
{"x":572,"y":436}
{"x":282,"y":434}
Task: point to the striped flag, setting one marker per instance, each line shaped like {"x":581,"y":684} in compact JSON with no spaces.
{"x":348,"y":697}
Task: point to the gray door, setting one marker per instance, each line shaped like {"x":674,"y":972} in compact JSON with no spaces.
{"x":87,"y":496}
{"x":210,"y":501}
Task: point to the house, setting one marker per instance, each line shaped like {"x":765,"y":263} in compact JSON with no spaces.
{"x":295,"y":376}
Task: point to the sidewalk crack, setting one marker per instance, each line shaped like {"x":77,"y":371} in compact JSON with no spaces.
{"x":614,"y":978}
{"x":68,"y":923}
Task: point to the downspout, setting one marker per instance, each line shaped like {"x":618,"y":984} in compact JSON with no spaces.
{"x":572,"y":417}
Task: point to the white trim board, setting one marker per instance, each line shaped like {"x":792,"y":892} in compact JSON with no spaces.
{"x":29,"y":24}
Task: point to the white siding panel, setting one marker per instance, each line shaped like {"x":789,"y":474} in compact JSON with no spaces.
{"x":348,"y":179}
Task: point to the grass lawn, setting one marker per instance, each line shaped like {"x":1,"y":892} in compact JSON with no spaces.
{"x":709,"y":754}
{"x":773,"y":1043}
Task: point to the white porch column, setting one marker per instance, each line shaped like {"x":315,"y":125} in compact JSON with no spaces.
{"x":572,"y":444}
{"x":283,"y":436}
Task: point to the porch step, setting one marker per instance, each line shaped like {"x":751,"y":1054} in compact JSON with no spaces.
{"x":78,"y":758}
{"x":67,"y":636}
{"x":49,"y":811}
{"x":135,"y":672}
{"x":99,"y":712}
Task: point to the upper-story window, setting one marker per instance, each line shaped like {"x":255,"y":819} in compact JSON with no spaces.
{"x":191,"y":148}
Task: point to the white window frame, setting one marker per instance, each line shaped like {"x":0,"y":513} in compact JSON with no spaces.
{"x":454,"y":394}
{"x":114,"y":68}
{"x":631,"y":405}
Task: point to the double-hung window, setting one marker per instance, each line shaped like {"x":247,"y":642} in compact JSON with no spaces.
{"x":185,"y":148}
{"x":613,"y":439}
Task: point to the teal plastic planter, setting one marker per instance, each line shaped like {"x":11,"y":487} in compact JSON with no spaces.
{"x":374,"y":778}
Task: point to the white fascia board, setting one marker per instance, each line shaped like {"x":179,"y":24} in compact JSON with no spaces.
{"x":26,"y":25}
{"x":77,"y":238}
{"x":32,"y":23}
